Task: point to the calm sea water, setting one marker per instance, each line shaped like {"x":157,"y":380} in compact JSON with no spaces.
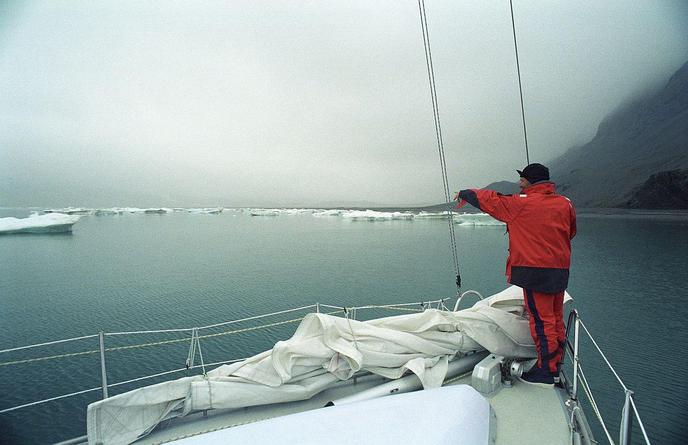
{"x":132,"y":272}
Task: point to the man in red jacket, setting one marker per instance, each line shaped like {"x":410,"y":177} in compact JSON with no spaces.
{"x":541,"y":225}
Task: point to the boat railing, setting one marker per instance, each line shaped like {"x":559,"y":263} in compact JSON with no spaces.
{"x":194,"y":341}
{"x":629,"y":410}
{"x":468,"y":292}
{"x":579,"y":380}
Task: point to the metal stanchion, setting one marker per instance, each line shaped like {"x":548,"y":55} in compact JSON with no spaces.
{"x":626,"y":421}
{"x":103,"y":370}
{"x":576,"y":359}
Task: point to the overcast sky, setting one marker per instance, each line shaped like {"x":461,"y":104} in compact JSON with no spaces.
{"x":115,"y":103}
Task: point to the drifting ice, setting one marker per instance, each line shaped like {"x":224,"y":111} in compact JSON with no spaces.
{"x":432,"y":215}
{"x":137,"y":210}
{"x":463,"y":219}
{"x":372,"y":215}
{"x":333,"y":212}
{"x":264,"y":212}
{"x":476,"y":219}
{"x":50,"y":223}
{"x":70,"y":211}
{"x":207,"y":210}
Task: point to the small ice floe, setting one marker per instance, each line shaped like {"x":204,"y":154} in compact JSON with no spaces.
{"x":206,"y":210}
{"x":476,"y":219}
{"x":118,"y":210}
{"x":279,"y":212}
{"x":48,"y":223}
{"x":330,"y":212}
{"x":71,"y":211}
{"x":373,"y":215}
{"x":264,"y":212}
{"x":432,"y":215}
{"x":295,"y":211}
{"x":105,"y":212}
{"x":148,"y":211}
{"x":122,"y":210}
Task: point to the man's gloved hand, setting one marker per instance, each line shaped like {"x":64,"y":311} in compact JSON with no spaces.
{"x":460,"y":201}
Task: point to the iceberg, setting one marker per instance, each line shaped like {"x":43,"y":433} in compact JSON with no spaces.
{"x":372,"y":215}
{"x":101,"y":212}
{"x":121,"y":210}
{"x":48,"y":223}
{"x":278,"y":212}
{"x":464,"y":219}
{"x":206,"y":210}
{"x":296,"y":211}
{"x":432,"y":215}
{"x":476,"y":219}
{"x":332,"y":212}
{"x":138,"y":210}
{"x":71,"y":211}
{"x":104,"y":211}
{"x":264,"y":212}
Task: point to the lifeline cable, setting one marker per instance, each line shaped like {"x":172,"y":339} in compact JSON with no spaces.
{"x":438,"y":132}
{"x":520,"y":89}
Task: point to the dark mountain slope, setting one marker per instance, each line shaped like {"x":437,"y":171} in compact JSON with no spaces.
{"x":648,"y":137}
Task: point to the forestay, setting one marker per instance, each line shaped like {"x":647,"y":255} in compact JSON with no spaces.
{"x":323,"y":350}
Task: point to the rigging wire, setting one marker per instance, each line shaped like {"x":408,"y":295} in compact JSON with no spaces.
{"x":520,"y":88}
{"x":438,"y":133}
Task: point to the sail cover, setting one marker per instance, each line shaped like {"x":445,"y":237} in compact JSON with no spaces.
{"x":323,"y":350}
{"x":440,"y":416}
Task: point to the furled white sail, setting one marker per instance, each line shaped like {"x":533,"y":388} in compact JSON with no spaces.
{"x":323,"y":350}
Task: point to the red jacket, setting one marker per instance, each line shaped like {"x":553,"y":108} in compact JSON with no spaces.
{"x":541,"y":225}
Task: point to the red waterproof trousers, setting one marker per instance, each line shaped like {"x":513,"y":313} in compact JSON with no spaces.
{"x":546,"y":326}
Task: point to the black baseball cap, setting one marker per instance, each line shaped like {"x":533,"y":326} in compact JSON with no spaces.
{"x":534,"y":173}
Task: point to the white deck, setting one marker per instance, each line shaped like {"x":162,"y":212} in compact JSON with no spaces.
{"x":529,"y":414}
{"x":524,"y":414}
